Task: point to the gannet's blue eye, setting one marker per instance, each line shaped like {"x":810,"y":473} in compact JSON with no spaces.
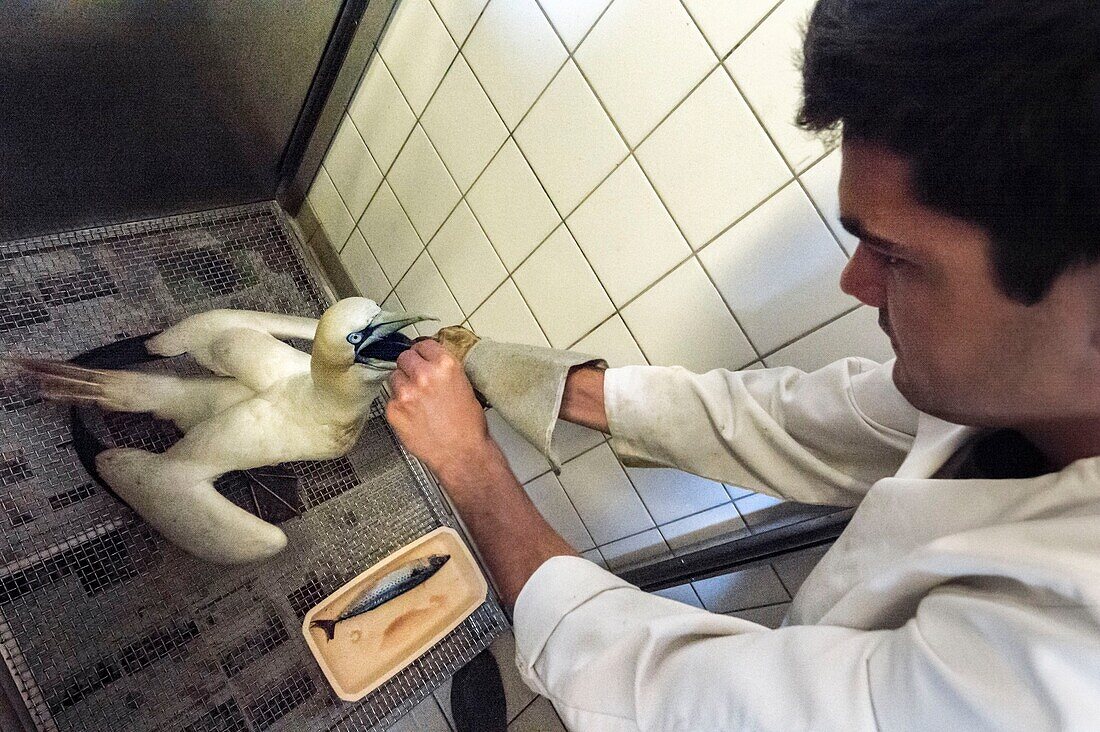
{"x":355,"y":338}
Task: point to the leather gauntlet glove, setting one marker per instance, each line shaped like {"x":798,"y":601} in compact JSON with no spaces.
{"x":523,"y":383}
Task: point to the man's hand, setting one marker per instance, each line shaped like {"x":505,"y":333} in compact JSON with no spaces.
{"x":435,"y":414}
{"x":434,"y":411}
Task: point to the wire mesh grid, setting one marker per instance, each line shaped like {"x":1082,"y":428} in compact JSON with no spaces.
{"x":104,"y":625}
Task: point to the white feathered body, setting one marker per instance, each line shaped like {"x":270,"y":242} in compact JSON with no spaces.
{"x":268,"y":403}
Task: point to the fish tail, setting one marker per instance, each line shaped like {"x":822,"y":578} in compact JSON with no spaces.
{"x":329,"y":626}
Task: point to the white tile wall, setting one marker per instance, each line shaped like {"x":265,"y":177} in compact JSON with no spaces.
{"x":661,"y":132}
{"x":625,"y":221}
{"x":421,"y":182}
{"x":573,"y":19}
{"x":418,"y":50}
{"x":746,"y":588}
{"x":461,"y":121}
{"x":821,"y":183}
{"x":548,"y":495}
{"x":381,"y":114}
{"x":514,"y":52}
{"x":352,"y":169}
{"x":467,"y":259}
{"x":506,"y":317}
{"x":672,"y":494}
{"x":604,"y":496}
{"x":511,"y":205}
{"x":726,"y":23}
{"x":642,"y":58}
{"x":562,"y":290}
{"x":778,"y":270}
{"x":766,"y":68}
{"x":423,"y":290}
{"x":363,"y":268}
{"x":569,"y":140}
{"x":389,"y":234}
{"x":648,"y":546}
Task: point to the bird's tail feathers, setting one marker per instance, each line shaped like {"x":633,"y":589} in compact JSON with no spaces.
{"x":329,"y":626}
{"x":119,"y":391}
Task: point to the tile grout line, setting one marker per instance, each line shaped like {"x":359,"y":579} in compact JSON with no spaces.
{"x":810,"y":332}
{"x":790,"y":595}
{"x":355,"y":225}
{"x":568,"y":497}
{"x":746,"y":609}
{"x":462,"y":196}
{"x":760,"y":121}
{"x":630,"y":154}
{"x":570,"y":54}
{"x":745,"y":37}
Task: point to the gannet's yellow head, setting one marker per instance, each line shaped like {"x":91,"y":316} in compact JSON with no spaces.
{"x":357,"y":331}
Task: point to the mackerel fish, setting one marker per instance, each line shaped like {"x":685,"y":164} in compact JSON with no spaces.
{"x":394,"y":584}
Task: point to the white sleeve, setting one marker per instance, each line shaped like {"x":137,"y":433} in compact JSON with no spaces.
{"x":611,"y":657}
{"x":820,"y":437}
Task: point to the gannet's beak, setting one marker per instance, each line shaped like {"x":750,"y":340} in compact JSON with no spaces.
{"x":380,"y":343}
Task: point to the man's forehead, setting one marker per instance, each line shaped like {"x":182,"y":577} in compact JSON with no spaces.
{"x":878,"y":204}
{"x":873,"y":177}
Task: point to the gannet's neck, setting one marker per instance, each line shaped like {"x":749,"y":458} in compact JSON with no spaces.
{"x":345,"y":385}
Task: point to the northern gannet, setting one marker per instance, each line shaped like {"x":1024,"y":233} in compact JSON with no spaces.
{"x":269,"y":403}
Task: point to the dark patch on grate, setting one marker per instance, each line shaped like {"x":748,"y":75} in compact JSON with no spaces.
{"x":272,"y":492}
{"x":276,"y":491}
{"x":103,"y":562}
{"x":226,"y":717}
{"x":19,"y":308}
{"x":88,"y":283}
{"x":306,"y":596}
{"x":143,"y":431}
{"x":18,"y":518}
{"x":83,"y":684}
{"x":61,"y":500}
{"x":324,"y":481}
{"x":38,"y":575}
{"x":17,"y":393}
{"x":203,"y":272}
{"x":254,"y":646}
{"x":297,"y":688}
{"x":167,"y":642}
{"x":13,"y":468}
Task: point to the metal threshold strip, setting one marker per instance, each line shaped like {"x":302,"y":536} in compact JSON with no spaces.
{"x":739,"y":553}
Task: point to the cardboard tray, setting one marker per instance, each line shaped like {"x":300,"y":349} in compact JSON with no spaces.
{"x":370,"y":648}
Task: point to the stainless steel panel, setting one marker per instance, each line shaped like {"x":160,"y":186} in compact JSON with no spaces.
{"x":122,"y":110}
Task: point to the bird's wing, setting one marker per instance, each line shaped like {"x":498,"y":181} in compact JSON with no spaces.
{"x":184,"y":400}
{"x":258,"y":360}
{"x":186,"y":508}
{"x":197,"y":334}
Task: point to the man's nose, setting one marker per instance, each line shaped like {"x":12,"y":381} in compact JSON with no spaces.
{"x":864,"y":277}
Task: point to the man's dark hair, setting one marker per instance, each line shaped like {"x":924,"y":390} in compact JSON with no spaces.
{"x":994,"y":103}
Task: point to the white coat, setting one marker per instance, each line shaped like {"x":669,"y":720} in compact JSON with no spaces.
{"x":945,"y":605}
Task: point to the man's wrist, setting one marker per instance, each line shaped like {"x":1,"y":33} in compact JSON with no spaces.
{"x":481,"y":466}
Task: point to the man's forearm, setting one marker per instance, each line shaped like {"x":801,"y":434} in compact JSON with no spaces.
{"x":582,"y":402}
{"x":513,"y":537}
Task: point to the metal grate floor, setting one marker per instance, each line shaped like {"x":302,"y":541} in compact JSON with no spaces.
{"x":103,"y":625}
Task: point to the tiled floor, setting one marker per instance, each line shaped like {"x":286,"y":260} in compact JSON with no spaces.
{"x":527,"y":712}
{"x":621,"y":177}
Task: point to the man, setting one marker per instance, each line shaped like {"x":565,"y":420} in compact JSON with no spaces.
{"x":965,"y":593}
